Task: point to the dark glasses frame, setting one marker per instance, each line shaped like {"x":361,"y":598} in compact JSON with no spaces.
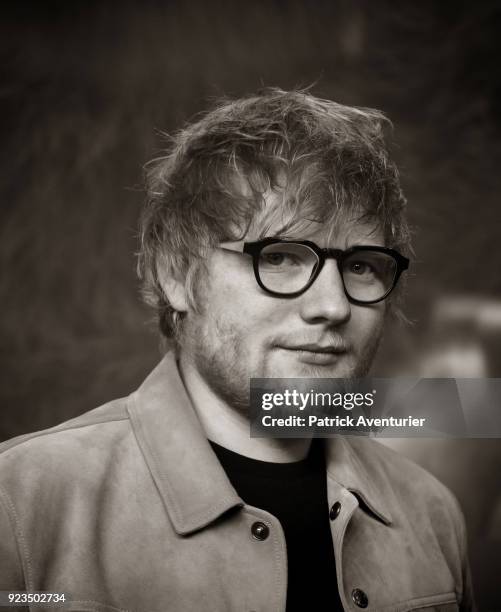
{"x":254,"y":250}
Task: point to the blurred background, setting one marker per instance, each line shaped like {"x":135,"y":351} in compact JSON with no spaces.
{"x":87,"y":85}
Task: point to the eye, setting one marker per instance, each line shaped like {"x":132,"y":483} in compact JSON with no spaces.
{"x":274,"y":259}
{"x":279,"y":259}
{"x":360,"y":268}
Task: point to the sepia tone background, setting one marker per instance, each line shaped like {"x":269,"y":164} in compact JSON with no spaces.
{"x":87,"y":86}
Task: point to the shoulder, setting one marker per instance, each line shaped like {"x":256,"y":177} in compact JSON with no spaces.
{"x":53,"y":478}
{"x":59,"y":453}
{"x":382,"y":462}
{"x":110,"y":412}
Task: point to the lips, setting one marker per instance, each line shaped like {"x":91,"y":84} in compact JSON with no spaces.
{"x":317,"y":348}
{"x":317,"y":354}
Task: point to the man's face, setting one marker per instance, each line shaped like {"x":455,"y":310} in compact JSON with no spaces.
{"x":243,"y":332}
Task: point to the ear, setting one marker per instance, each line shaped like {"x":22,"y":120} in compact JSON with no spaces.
{"x":174,"y":289}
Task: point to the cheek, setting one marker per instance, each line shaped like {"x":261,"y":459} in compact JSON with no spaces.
{"x":244,"y":307}
{"x":232,"y":316}
{"x":367,"y":322}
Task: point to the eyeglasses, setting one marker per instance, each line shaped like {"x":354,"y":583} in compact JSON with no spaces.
{"x":286,"y":268}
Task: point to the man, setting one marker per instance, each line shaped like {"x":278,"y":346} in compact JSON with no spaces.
{"x":272,"y":242}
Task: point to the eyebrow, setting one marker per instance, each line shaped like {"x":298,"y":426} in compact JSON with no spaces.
{"x":368,"y":242}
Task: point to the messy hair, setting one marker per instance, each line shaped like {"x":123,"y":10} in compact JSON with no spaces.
{"x":324,"y":159}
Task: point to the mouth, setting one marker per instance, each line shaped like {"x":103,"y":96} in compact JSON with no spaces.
{"x":316,"y":354}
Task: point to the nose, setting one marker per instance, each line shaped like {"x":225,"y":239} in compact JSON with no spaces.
{"x":325,"y":301}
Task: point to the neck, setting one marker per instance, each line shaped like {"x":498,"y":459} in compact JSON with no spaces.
{"x":229,"y":427}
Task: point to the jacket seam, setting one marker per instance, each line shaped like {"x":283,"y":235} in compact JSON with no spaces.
{"x":338,"y":545}
{"x":60,"y":429}
{"x":278,"y":548}
{"x":462,"y":540}
{"x":21,"y":544}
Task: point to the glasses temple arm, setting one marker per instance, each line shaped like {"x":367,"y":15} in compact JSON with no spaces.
{"x":237,"y":247}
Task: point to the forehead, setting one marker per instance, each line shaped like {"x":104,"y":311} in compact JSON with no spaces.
{"x":345,"y":228}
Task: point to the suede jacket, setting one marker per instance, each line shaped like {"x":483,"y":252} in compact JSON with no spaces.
{"x":127,"y":508}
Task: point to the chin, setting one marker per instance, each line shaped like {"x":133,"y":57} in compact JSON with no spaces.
{"x":324,"y":372}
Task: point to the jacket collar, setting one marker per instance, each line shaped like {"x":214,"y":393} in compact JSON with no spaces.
{"x":347,"y":467}
{"x":192,"y":483}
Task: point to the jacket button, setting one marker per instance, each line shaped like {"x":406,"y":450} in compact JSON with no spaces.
{"x":260,"y":531}
{"x":359,"y":598}
{"x":334,"y":511}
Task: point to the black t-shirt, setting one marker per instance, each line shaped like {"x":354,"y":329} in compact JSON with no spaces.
{"x":296,"y":494}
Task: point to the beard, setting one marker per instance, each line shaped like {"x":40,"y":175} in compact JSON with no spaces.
{"x":219,"y":351}
{"x":218,"y":355}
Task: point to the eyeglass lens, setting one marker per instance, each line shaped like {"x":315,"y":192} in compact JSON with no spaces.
{"x":288,"y":267}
